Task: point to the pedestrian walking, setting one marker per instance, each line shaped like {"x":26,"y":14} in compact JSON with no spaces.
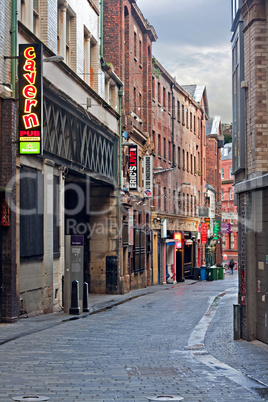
{"x":231,"y":266}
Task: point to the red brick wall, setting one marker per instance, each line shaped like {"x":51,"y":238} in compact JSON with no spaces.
{"x":188,"y":139}
{"x":134,"y":67}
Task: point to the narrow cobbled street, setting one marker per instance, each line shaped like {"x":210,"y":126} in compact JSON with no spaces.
{"x":170,"y":340}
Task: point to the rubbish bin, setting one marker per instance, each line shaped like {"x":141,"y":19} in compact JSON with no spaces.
{"x":215,"y":272}
{"x":196,"y":273}
{"x":209,"y":274}
{"x":221,"y":273}
{"x":203,"y":273}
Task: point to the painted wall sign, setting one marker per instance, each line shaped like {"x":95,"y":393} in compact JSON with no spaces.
{"x":133,"y":167}
{"x":148,"y":176}
{"x":30,"y":99}
{"x":203,"y":233}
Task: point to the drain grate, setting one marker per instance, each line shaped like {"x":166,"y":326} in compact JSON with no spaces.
{"x":30,"y":398}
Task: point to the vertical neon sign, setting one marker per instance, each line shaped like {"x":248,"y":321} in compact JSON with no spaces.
{"x":30,"y":99}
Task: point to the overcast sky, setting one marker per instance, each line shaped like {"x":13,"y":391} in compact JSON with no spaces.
{"x":194,"y":46}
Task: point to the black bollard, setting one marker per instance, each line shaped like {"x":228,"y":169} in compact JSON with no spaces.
{"x":75,"y":309}
{"x":85,"y":298}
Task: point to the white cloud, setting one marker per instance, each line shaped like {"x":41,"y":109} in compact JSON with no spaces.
{"x":194,"y":45}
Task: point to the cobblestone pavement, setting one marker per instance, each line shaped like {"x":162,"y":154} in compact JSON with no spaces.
{"x":166,"y":340}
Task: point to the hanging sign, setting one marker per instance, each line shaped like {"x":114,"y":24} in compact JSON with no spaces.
{"x":203,"y":233}
{"x":30,"y":99}
{"x":216,"y":228}
{"x":148,"y":176}
{"x":130,"y":227}
{"x":133,"y":167}
{"x":225,"y":227}
{"x":164,"y":229}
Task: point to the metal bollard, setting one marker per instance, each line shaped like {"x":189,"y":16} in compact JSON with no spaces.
{"x":85,"y":297}
{"x":237,"y":326}
{"x":75,"y":309}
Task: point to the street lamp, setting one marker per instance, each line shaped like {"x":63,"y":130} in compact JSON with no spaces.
{"x":7,"y":86}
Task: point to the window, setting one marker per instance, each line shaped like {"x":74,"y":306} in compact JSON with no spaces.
{"x":179,"y":156}
{"x":165,"y":151}
{"x":140,"y":51}
{"x":169,"y":102}
{"x":187,"y":161}
{"x":159,"y":144}
{"x":178,"y":111}
{"x":153,"y":87}
{"x":191,"y":121}
{"x":183,"y":159}
{"x":164,"y":97}
{"x":66,"y":31}
{"x":169,"y":150}
{"x":140,"y":106}
{"x":159,"y":197}
{"x":135,"y":99}
{"x":194,"y":125}
{"x":159,"y":93}
{"x":135,"y":44}
{"x":222,"y":196}
{"x":231,"y":171}
{"x":231,"y":193}
{"x":31,"y":213}
{"x":139,"y":249}
{"x":174,"y":201}
{"x":36,"y":26}
{"x":182,"y":112}
{"x":222,"y":173}
{"x":179,"y":203}
{"x":30,"y":15}
{"x":165,"y":199}
{"x":187,"y":117}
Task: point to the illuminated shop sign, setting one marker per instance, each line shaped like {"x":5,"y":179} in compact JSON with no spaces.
{"x":133,"y":167}
{"x":30,"y":99}
{"x":148,"y":176}
{"x":203,"y":233}
{"x":178,"y":239}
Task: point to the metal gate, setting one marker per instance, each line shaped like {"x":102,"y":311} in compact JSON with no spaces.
{"x":111,"y":274}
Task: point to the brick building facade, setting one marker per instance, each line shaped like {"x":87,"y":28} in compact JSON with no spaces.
{"x":179,"y":121}
{"x":229,"y":209}
{"x":214,"y":144}
{"x":128,"y":39}
{"x":250,"y":162}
